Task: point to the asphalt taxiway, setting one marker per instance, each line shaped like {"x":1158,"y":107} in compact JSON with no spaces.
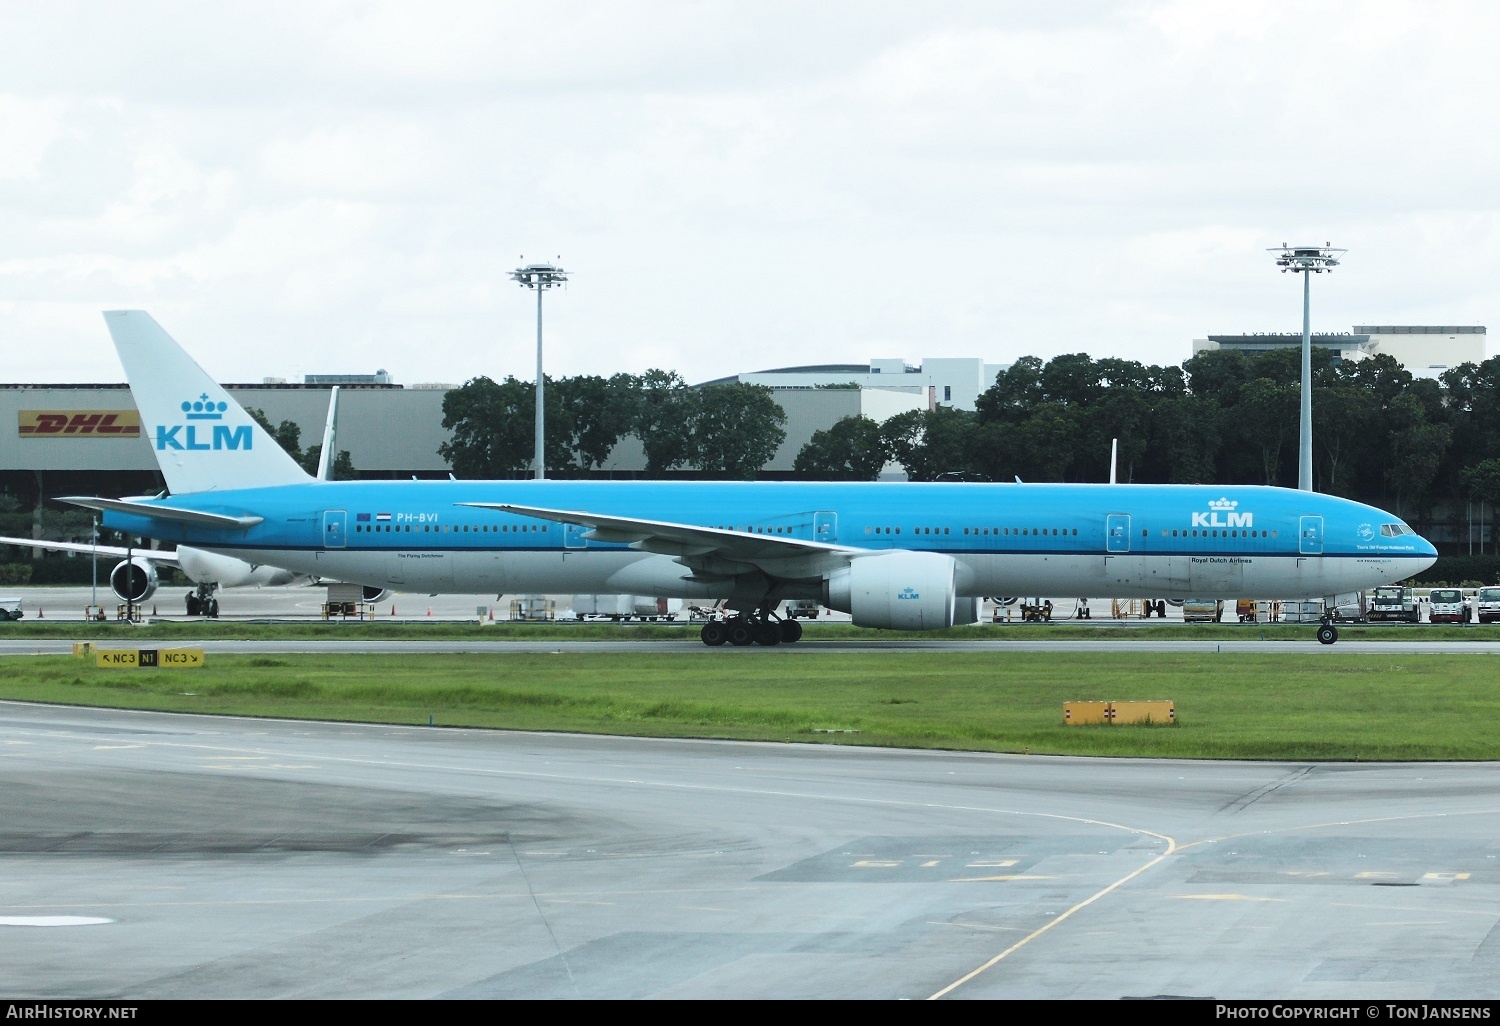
{"x":170,"y":856}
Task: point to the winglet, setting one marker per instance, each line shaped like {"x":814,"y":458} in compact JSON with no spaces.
{"x":203,"y":440}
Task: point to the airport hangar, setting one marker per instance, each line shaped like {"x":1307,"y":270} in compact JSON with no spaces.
{"x":87,"y":439}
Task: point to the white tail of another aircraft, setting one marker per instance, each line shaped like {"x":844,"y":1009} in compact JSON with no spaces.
{"x":202,"y":439}
{"x":326,"y":457}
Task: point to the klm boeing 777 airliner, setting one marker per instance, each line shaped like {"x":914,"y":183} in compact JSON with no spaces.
{"x":893,"y":555}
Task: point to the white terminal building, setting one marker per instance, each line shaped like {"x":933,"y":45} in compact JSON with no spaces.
{"x":937,"y":381}
{"x":1426,"y":350}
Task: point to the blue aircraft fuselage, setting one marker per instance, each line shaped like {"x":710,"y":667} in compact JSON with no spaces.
{"x":1104,"y":540}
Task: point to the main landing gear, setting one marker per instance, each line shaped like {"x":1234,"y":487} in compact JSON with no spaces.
{"x":760,"y":628}
{"x":201,"y":602}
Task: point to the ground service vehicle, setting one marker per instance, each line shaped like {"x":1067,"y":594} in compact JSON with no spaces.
{"x":1487,"y":605}
{"x":1447,"y":605}
{"x":617,"y":608}
{"x":10,"y":607}
{"x":1393,"y":603}
{"x":1203,"y":610}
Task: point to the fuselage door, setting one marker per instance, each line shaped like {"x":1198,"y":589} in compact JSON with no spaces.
{"x":334,"y":526}
{"x":1310,"y":536}
{"x":573,"y":536}
{"x":1117,"y":532}
{"x":826,"y":527}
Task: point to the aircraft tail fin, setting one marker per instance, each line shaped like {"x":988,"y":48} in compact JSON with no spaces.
{"x":203,"y":440}
{"x":326,"y":457}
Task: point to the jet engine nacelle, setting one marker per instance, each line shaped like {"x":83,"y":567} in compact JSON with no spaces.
{"x":376,"y":594}
{"x":908,"y":591}
{"x":227,"y":572}
{"x":134,"y":580}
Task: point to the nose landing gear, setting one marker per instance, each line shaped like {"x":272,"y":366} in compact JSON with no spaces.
{"x":1327,"y":632}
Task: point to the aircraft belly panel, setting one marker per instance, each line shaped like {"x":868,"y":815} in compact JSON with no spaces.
{"x":661,"y":576}
{"x":481,"y":572}
{"x":1213,"y":575}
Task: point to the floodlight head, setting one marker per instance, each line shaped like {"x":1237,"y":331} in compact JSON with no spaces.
{"x":539,"y":276}
{"x":1306,"y":258}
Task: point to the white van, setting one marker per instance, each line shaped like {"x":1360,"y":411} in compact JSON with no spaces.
{"x":1447,"y":605}
{"x":10,"y":607}
{"x":1487,"y":605}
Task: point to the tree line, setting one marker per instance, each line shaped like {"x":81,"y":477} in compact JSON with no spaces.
{"x":728,"y":431}
{"x":1380,"y":435}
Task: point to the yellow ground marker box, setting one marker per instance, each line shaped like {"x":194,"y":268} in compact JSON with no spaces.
{"x":1081,"y":713}
{"x":1110,"y":713}
{"x":149,"y":658}
{"x":1143,"y":712}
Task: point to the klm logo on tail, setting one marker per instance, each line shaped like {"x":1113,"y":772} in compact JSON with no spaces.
{"x":222,"y":436}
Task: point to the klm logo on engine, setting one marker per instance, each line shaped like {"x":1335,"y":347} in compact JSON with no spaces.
{"x":907,"y":594}
{"x":198,"y":435}
{"x":1221,"y":514}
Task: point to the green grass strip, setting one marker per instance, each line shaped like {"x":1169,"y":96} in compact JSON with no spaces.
{"x":1228,"y":706}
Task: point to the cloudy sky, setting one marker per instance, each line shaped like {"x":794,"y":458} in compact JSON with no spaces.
{"x":321,"y":187}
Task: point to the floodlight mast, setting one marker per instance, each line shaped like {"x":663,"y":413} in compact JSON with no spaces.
{"x":540,"y":277}
{"x":1306,"y":261}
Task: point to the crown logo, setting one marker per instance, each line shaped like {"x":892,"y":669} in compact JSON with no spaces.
{"x":202,"y":409}
{"x":1217,"y":504}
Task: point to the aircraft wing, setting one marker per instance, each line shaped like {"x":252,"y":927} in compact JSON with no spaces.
{"x":709,"y":551}
{"x":144,"y":509}
{"x":167,"y":557}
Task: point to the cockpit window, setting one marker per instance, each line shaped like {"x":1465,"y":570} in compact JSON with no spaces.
{"x":1394,"y":530}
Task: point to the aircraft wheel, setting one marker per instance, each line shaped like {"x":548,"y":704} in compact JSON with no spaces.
{"x":741,"y":633}
{"x":791,"y":631}
{"x":192,"y":605}
{"x":714,"y":633}
{"x":213,"y":608}
{"x":768,"y":633}
{"x":1327,"y":634}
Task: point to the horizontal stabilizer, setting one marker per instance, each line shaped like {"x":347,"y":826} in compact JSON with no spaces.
{"x":142,"y":509}
{"x":84,"y":548}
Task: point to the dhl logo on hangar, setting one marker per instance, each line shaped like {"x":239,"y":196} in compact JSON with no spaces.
{"x":79,"y":424}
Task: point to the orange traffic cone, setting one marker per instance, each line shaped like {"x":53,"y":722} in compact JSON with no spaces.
{"x":429,"y":610}
{"x":40,"y":615}
{"x":393,"y":609}
{"x":492,"y":616}
{"x":153,"y":609}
